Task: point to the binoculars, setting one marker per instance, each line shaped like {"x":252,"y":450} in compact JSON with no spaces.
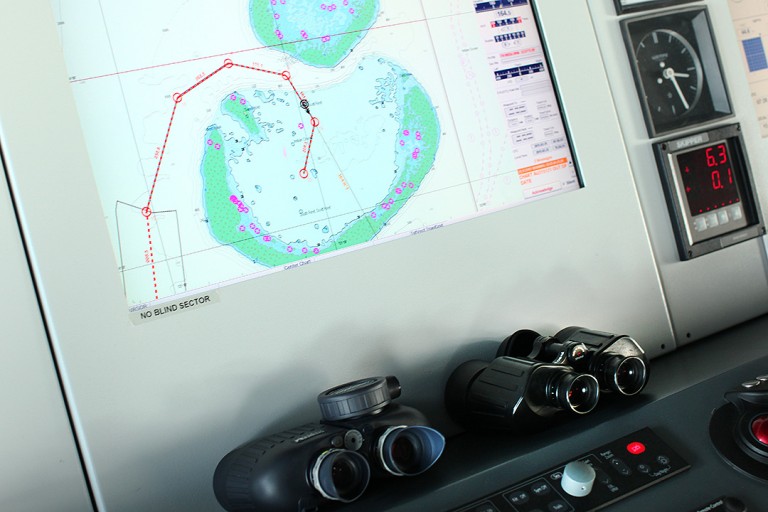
{"x":362,"y":435}
{"x":535,"y":377}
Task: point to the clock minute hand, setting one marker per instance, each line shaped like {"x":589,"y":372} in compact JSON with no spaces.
{"x":670,"y":74}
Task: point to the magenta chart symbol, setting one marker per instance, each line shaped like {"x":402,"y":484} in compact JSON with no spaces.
{"x":150,"y":216}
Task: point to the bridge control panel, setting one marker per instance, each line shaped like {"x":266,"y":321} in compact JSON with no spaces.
{"x":675,"y":447}
{"x":619,"y":469}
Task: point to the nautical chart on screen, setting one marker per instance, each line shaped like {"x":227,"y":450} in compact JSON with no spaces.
{"x":232,"y":140}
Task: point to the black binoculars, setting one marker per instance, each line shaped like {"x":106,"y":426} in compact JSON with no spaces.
{"x":534,"y":377}
{"x":362,"y":435}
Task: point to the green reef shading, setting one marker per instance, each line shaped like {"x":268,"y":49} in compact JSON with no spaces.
{"x":414,"y":148}
{"x":236,"y":106}
{"x":225,"y":216}
{"x":319,"y":34}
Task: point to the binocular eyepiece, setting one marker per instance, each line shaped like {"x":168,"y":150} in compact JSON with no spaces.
{"x":408,"y":451}
{"x":400,"y":450}
{"x":340,"y":475}
{"x":362,"y":435}
{"x":534,"y":377}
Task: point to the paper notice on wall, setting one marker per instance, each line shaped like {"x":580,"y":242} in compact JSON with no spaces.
{"x":750,"y":19}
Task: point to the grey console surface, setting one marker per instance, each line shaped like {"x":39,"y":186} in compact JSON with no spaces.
{"x":684,"y":389}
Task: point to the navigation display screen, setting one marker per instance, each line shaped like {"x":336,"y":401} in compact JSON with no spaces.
{"x":231,"y":140}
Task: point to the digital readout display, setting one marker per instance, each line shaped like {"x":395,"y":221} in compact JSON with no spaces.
{"x":709,"y":178}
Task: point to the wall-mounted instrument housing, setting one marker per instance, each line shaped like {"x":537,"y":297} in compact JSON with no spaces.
{"x":676,"y":68}
{"x":709,"y":190}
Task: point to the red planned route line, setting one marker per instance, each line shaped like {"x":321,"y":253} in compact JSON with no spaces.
{"x":179,"y":96}
{"x":315,"y":123}
{"x":151,"y":257}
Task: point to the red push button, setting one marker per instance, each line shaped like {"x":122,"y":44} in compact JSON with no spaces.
{"x":635,"y":448}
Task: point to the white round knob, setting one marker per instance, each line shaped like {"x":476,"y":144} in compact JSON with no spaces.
{"x":578,"y":478}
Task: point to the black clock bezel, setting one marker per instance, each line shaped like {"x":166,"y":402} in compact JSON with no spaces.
{"x":689,"y":243}
{"x":694,"y":25}
{"x":647,"y":5}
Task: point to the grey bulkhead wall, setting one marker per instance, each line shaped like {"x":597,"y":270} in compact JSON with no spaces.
{"x":721,"y":289}
{"x":157,"y":405}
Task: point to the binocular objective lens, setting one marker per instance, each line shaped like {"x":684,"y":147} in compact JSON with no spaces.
{"x":341,"y":475}
{"x":577,"y":392}
{"x":406,"y":451}
{"x":626,"y":375}
{"x":583,"y":393}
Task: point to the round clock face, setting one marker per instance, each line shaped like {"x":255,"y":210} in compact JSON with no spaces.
{"x":671,"y":74}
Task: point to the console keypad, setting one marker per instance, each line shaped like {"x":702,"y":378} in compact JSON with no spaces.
{"x":622,"y":467}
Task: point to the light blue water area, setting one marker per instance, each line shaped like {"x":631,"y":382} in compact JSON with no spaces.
{"x":312,"y":182}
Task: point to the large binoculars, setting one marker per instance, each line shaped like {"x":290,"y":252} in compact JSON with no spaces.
{"x":534,"y":377}
{"x":362,"y":435}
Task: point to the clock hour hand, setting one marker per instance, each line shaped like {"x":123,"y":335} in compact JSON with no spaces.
{"x":670,"y":74}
